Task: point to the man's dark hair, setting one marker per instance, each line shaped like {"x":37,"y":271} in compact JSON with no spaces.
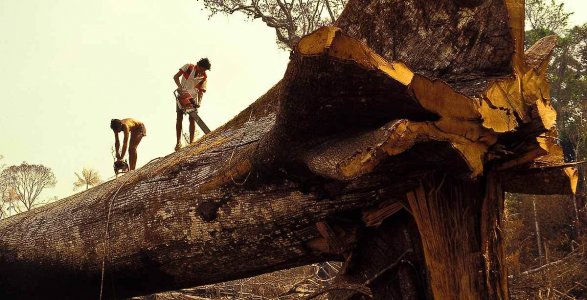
{"x":204,"y":63}
{"x":116,"y":125}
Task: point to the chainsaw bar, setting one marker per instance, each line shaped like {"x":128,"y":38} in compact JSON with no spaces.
{"x":199,"y":121}
{"x":192,"y":112}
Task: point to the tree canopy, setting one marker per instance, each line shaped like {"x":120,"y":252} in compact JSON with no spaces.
{"x":89,"y":177}
{"x":27,"y":181}
{"x":290,"y":19}
{"x":568,"y":71}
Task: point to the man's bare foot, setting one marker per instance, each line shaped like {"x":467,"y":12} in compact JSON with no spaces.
{"x":177,"y":147}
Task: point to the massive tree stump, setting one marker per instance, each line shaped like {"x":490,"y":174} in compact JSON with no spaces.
{"x":388,"y":145}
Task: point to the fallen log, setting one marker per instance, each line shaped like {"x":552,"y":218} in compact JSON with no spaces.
{"x":422,"y":105}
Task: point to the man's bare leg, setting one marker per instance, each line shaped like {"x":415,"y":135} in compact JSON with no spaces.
{"x":178,"y":122}
{"x":192,"y":129}
{"x":132,"y":155}
{"x":135,"y":139}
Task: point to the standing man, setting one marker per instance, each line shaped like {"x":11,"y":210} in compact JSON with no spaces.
{"x":136,"y":129}
{"x":192,"y":85}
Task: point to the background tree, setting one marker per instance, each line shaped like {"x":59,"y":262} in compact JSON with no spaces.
{"x":561,"y":267}
{"x":568,"y":70}
{"x":3,"y":199}
{"x":28,"y":181}
{"x":568,"y":79}
{"x":204,"y":198}
{"x":545,"y":16}
{"x":88,"y":178}
{"x":3,"y":189}
{"x":569,"y":90}
{"x":8,"y":196}
{"x":290,"y":19}
{"x":543,"y":233}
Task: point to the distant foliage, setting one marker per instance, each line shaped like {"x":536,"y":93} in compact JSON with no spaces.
{"x":556,"y":268}
{"x":24,"y":183}
{"x":88,"y":178}
{"x":3,"y":191}
{"x":567,"y":73}
{"x":290,"y":19}
{"x":547,"y":14}
{"x":545,"y":236}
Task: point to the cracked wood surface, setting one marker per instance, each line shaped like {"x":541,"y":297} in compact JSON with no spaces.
{"x":161,"y":234}
{"x":364,"y":113}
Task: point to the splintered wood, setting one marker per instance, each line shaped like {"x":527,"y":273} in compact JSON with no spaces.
{"x":388,"y":144}
{"x":477,"y":127}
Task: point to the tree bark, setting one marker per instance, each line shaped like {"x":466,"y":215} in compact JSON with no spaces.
{"x":366,"y":113}
{"x":459,"y":222}
{"x":389,"y":260}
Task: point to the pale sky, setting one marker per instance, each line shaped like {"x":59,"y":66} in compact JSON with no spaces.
{"x":579,"y":9}
{"x":69,"y":66}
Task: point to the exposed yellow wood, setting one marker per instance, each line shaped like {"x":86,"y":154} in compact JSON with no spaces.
{"x":438,"y":97}
{"x":546,"y":113}
{"x":366,"y":151}
{"x":447,"y":216}
{"x":330,"y":40}
{"x":354,"y":156}
{"x":506,"y":94}
{"x":347,"y":48}
{"x":526,"y":96}
{"x":573,"y":175}
{"x":317,"y":42}
{"x":470,"y":125}
{"x":471,"y":152}
{"x":397,"y":70}
{"x":498,"y":120}
{"x":459,"y":114}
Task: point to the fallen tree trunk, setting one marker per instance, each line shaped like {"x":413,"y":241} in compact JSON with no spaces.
{"x":366,"y":120}
{"x":210,"y":213}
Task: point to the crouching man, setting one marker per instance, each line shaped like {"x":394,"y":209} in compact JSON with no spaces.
{"x":129,"y":127}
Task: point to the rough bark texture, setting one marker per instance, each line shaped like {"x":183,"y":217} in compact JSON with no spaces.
{"x":370,"y":116}
{"x":439,"y":39}
{"x":458,"y":221}
{"x":388,"y":259}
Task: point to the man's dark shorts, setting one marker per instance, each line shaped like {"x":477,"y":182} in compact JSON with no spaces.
{"x":179,"y":110}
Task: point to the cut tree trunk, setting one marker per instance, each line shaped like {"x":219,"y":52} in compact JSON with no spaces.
{"x":459,"y":222}
{"x":389,"y":260}
{"x":427,"y":105}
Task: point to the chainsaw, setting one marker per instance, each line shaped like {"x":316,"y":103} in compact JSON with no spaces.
{"x":120,"y":166}
{"x":189,"y":108}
